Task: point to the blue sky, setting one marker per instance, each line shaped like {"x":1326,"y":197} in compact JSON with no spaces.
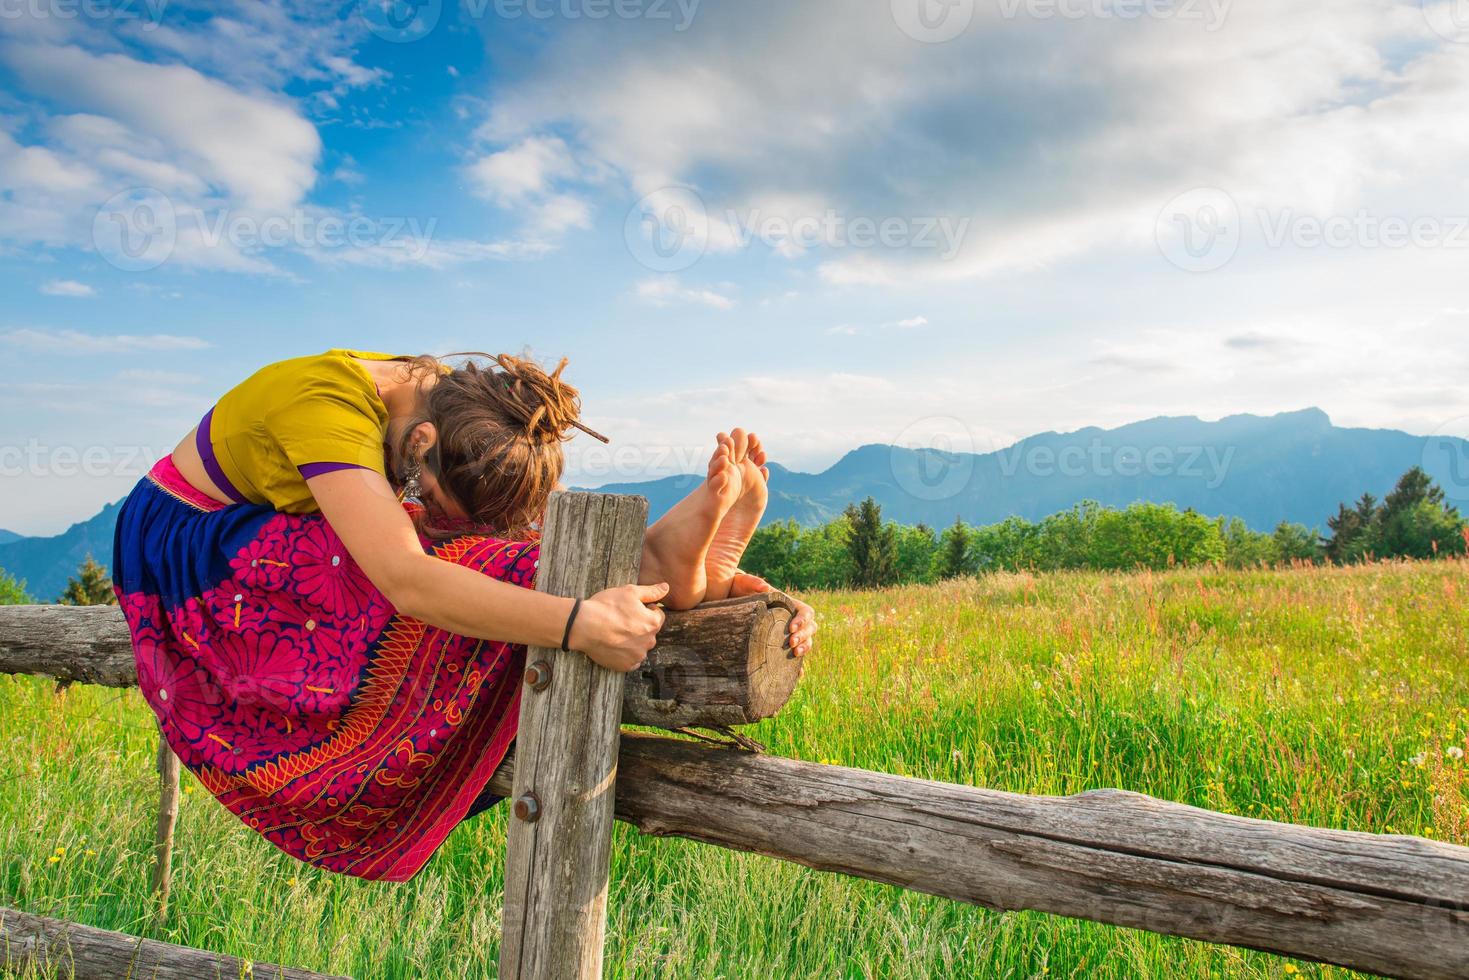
{"x":930,"y":222}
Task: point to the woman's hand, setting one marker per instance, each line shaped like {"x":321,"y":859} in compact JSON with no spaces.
{"x":803,"y":624}
{"x":617,"y":627}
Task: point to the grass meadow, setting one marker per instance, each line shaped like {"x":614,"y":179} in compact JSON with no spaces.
{"x":1331,"y":697}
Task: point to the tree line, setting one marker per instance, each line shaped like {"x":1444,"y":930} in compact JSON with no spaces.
{"x":90,"y":586}
{"x":861,"y":550}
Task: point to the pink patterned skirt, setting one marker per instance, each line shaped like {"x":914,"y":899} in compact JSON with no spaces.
{"x":348,"y":736}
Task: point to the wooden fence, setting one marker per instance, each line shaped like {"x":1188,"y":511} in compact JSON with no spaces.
{"x":1392,"y":905}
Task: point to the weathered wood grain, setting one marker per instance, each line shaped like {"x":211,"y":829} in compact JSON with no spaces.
{"x":557,"y":854}
{"x":724,"y":663}
{"x":1397,"y":906}
{"x":168,"y":815}
{"x":86,"y":953}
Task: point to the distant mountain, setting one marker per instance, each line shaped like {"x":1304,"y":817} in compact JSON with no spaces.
{"x":1295,"y":466}
{"x":8,"y":536}
{"x":45,"y":564}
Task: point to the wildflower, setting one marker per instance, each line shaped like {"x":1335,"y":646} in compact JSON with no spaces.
{"x":1455,"y":753}
{"x":61,"y":852}
{"x":1419,"y":759}
{"x":1290,"y":969}
{"x":90,"y":853}
{"x":52,"y":859}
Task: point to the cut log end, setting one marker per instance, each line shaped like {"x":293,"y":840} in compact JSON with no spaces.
{"x":721,"y":664}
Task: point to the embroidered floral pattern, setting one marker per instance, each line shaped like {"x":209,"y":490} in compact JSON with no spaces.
{"x":346,"y":735}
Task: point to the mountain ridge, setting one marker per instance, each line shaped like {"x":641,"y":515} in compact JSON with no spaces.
{"x":1293,"y":466}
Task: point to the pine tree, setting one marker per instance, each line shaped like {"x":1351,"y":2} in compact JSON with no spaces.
{"x":873,"y":546}
{"x":954,"y":558}
{"x":12,"y":593}
{"x":1414,"y":521}
{"x":1348,"y":528}
{"x":91,"y":586}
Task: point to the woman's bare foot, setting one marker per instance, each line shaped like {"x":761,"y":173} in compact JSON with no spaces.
{"x":738,"y":526}
{"x":803,"y":623}
{"x":675,"y":546}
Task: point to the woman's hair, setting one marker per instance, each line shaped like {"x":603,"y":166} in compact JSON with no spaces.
{"x":500,"y":429}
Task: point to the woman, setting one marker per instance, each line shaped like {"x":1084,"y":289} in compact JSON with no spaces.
{"x":329,"y":588}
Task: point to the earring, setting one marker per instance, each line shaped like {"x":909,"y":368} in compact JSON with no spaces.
{"x":412,"y":489}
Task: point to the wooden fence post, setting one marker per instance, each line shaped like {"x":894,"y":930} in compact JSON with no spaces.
{"x":560,"y":831}
{"x":168,"y":815}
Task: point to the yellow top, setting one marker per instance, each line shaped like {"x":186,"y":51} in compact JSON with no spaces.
{"x":309,"y":412}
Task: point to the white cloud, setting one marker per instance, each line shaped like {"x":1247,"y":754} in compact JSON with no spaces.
{"x":912,"y":323}
{"x":66,"y":287}
{"x":668,"y":291}
{"x":521,"y":178}
{"x":257,"y":149}
{"x":525,"y":169}
{"x":77,"y":342}
{"x":1319,"y":104}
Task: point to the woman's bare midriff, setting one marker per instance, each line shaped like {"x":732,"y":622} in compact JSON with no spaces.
{"x":191,"y":468}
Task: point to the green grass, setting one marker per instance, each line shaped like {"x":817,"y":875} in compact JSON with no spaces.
{"x":1326,"y":697}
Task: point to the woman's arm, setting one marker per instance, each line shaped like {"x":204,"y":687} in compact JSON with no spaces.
{"x":615,"y":627}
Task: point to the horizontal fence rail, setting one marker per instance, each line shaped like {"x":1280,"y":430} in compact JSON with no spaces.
{"x":1392,"y":905}
{"x":65,"y":949}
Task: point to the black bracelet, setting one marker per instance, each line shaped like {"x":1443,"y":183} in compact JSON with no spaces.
{"x":566,"y":637}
